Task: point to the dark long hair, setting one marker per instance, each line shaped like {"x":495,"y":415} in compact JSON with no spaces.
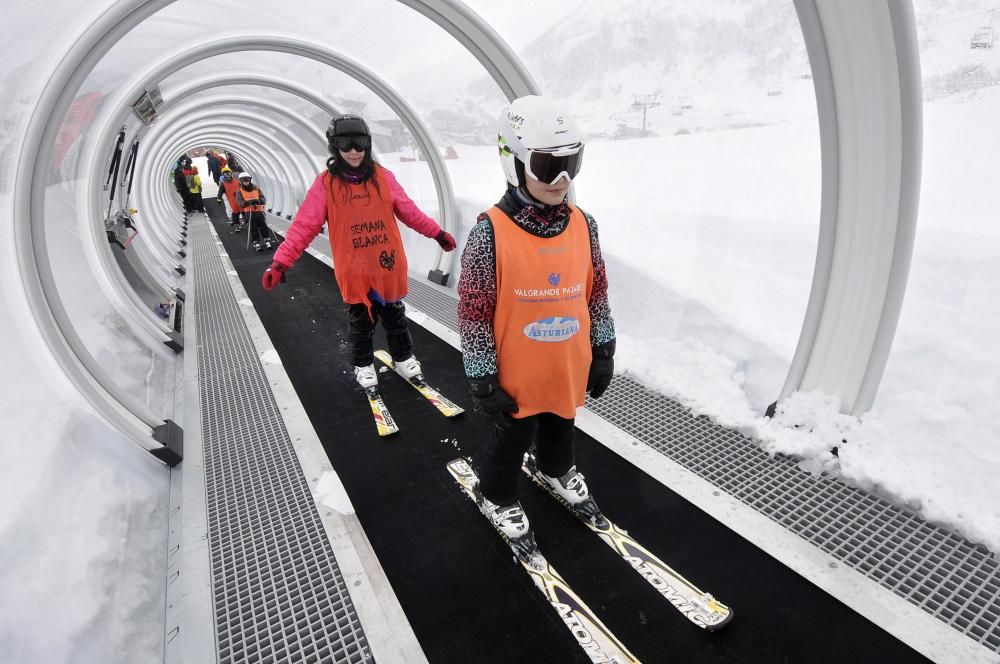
{"x":338,"y":168}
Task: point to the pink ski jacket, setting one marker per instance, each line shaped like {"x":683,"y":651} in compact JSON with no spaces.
{"x":311,"y":216}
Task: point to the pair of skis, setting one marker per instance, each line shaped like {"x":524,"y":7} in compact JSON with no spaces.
{"x":384,"y":421}
{"x":592,"y":635}
{"x":598,"y":642}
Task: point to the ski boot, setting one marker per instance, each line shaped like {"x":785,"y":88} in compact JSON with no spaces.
{"x":256,"y":245}
{"x":571,"y":488}
{"x":408,"y":368}
{"x":367,"y":377}
{"x":512,"y":522}
{"x":269,"y":243}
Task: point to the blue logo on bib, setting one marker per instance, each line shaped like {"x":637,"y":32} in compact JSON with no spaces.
{"x":557,"y":328}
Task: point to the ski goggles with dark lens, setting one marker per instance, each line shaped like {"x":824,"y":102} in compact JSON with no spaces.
{"x":551,"y":164}
{"x":348,"y":143}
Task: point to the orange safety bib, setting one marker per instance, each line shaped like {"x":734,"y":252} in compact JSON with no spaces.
{"x":542,"y":322}
{"x":230,"y":188}
{"x":364,"y":237}
{"x":249,"y":196}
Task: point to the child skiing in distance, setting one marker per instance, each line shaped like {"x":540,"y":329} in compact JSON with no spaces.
{"x":534,"y":320}
{"x":228,"y":185}
{"x":361,"y":200}
{"x":251,"y":200}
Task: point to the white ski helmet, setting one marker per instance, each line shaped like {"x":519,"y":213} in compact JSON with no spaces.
{"x":245,"y":175}
{"x":536,"y":137}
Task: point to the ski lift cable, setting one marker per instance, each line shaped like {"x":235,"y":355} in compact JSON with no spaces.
{"x":964,"y":18}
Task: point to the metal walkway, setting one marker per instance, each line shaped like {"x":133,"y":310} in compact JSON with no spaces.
{"x":279,"y":594}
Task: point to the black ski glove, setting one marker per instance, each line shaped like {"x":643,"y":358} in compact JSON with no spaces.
{"x":491,"y":401}
{"x":602,"y":368}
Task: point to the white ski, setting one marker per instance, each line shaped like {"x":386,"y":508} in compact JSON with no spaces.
{"x":596,"y":640}
{"x":447,"y":408}
{"x":384,"y":421}
{"x":699,"y":607}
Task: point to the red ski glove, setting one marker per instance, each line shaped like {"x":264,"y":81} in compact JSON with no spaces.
{"x":273,"y":275}
{"x":446,"y":240}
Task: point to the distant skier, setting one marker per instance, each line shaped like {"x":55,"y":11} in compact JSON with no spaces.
{"x":194,"y":187}
{"x":533,"y":314}
{"x":228,"y":186}
{"x":181,"y":172}
{"x":214,"y":166}
{"x":361,"y":200}
{"x":251,"y":201}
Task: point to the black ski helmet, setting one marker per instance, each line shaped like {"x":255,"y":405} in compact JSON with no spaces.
{"x":346,"y":125}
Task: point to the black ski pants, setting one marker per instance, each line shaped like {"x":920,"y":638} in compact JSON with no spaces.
{"x":499,"y":466}
{"x":188,"y":199}
{"x":362,"y":327}
{"x":258,"y":227}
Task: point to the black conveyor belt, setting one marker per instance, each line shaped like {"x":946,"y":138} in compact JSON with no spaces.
{"x":464,"y":596}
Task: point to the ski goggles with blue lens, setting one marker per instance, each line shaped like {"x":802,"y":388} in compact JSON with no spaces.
{"x":348,"y":143}
{"x":551,"y":164}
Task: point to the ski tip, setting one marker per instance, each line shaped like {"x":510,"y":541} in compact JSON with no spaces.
{"x":459,"y":462}
{"x":719,"y":625}
{"x":715,"y":627}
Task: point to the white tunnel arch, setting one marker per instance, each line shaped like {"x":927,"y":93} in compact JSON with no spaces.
{"x":146,"y":175}
{"x":246,"y":120}
{"x":254,"y":152}
{"x":866,"y":72}
{"x":192,"y":52}
{"x":295,"y":188}
{"x":163,"y":239}
{"x":96,"y":39}
{"x":28,"y":203}
{"x":182,"y":108}
{"x":222,"y":79}
{"x":198,"y":103}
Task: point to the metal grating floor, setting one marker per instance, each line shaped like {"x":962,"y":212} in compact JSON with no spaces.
{"x":952,"y":579}
{"x":278,"y":592}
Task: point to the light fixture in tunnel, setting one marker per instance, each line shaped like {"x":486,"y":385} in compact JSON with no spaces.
{"x":148,"y":104}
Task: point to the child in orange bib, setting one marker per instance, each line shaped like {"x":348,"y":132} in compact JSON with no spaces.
{"x":361,"y":200}
{"x":533,"y":314}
